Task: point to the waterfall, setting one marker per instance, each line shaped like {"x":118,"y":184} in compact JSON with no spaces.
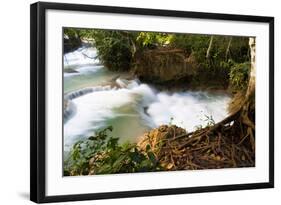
{"x":81,"y":56}
{"x":70,"y":107}
{"x":78,"y":93}
{"x":95,"y":98}
{"x":134,"y":108}
{"x":69,"y":110}
{"x":188,"y":109}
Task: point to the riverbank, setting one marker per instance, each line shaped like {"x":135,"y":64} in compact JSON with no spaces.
{"x":96,"y":97}
{"x":175,"y":94}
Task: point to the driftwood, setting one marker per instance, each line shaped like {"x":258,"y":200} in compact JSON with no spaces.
{"x":87,"y":56}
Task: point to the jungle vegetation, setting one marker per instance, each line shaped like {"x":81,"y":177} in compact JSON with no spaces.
{"x":224,"y":60}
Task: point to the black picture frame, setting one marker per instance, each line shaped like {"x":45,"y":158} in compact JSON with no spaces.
{"x":38,"y":101}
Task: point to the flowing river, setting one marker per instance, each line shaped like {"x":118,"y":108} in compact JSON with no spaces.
{"x":96,"y":98}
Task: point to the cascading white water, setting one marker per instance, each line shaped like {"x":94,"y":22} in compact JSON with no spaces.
{"x":188,"y":109}
{"x":81,"y":56}
{"x":131,"y":107}
{"x":122,"y":108}
{"x":82,"y":69}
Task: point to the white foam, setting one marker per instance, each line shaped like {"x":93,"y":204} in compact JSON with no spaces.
{"x":188,"y":109}
{"x":81,"y":56}
{"x":94,"y":109}
{"x":89,"y":69}
{"x":67,"y":75}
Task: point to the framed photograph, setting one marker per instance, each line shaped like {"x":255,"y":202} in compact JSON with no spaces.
{"x":129,"y":102}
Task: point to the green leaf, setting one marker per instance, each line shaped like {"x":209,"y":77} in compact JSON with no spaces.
{"x":148,"y":147}
{"x":152,"y":157}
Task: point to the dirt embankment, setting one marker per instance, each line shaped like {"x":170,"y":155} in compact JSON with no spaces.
{"x":164,"y":65}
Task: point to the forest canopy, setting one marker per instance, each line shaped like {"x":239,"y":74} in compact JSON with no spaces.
{"x":214,"y":59}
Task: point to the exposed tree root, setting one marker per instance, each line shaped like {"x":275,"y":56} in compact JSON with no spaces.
{"x":227,"y":144}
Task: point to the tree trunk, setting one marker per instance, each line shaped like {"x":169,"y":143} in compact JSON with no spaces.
{"x":252,"y":80}
{"x":228,"y":48}
{"x":210,"y":47}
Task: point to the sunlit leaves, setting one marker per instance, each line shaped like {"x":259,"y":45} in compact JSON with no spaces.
{"x":101,"y":154}
{"x":239,"y":76}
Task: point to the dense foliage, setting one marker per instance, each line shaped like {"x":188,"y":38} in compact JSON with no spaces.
{"x":216,"y":55}
{"x":239,"y":76}
{"x":220,"y":59}
{"x":224,"y":52}
{"x":153,"y":39}
{"x":101,"y":154}
{"x":71,"y":39}
{"x":114,"y":49}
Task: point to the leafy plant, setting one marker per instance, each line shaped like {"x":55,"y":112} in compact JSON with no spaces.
{"x":101,"y":154}
{"x":210,"y":120}
{"x":114,"y":48}
{"x":239,"y":76}
{"x":153,"y":39}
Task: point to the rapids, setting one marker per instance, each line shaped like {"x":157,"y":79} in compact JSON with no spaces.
{"x":94,"y":101}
